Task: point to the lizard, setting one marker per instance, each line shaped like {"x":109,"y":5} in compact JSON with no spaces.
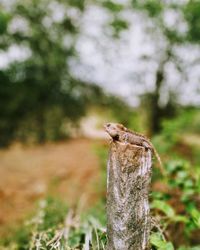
{"x":119,"y":132}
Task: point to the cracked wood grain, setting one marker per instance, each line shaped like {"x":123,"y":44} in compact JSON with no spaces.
{"x":128,"y":179}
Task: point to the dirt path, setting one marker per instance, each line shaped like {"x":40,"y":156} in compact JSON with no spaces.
{"x":68,"y":170}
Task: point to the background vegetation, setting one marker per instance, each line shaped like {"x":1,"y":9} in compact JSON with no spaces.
{"x":45,"y":94}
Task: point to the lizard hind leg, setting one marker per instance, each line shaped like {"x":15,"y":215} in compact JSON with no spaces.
{"x":146,"y":145}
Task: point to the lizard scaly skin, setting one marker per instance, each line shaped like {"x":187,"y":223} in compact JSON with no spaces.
{"x":120,"y":133}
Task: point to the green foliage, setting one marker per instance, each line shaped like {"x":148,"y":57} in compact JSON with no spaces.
{"x":173,"y":36}
{"x":160,"y":244}
{"x":174,"y":130}
{"x":181,"y":123}
{"x":80,"y":4}
{"x":42,"y":226}
{"x":54,"y":212}
{"x":113,"y":6}
{"x":156,"y":21}
{"x":175,"y":208}
{"x":38,"y":95}
{"x":56,"y":227}
{"x":191,"y":13}
{"x":4,"y":20}
{"x":153,"y":7}
{"x":184,"y":188}
{"x":164,"y":207}
{"x":102,"y":154}
{"x":195,"y":214}
{"x":42,"y":84}
{"x":189,"y":248}
{"x":118,"y":25}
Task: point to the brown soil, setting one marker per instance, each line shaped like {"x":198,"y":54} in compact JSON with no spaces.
{"x":68,"y":170}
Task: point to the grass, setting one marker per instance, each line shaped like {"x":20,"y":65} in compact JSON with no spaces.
{"x":55,"y":226}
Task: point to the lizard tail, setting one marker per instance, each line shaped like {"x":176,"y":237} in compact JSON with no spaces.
{"x":162,"y":170}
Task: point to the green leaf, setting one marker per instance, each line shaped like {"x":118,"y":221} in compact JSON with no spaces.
{"x":119,"y":25}
{"x":159,"y":243}
{"x":112,"y":6}
{"x":164,"y":207}
{"x":75,"y":238}
{"x":4,"y":18}
{"x":152,"y":7}
{"x":180,"y":218}
{"x":189,"y":248}
{"x":195,"y":214}
{"x":78,"y":4}
{"x":191,"y":13}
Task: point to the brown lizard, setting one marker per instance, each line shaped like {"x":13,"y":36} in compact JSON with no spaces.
{"x":120,"y":133}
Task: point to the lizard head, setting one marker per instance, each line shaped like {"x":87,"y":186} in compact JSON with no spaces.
{"x":113,"y":129}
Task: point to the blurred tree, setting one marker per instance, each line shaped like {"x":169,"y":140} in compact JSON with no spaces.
{"x":169,"y":26}
{"x":41,"y":85}
{"x":185,"y":14}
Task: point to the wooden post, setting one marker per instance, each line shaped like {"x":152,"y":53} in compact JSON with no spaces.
{"x":128,"y":179}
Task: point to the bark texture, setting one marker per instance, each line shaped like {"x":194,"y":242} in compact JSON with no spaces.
{"x":128,"y":179}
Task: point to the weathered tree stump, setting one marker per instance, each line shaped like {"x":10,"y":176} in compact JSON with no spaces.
{"x":128,"y":213}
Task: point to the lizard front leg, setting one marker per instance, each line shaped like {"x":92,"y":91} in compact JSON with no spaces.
{"x":126,"y":138}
